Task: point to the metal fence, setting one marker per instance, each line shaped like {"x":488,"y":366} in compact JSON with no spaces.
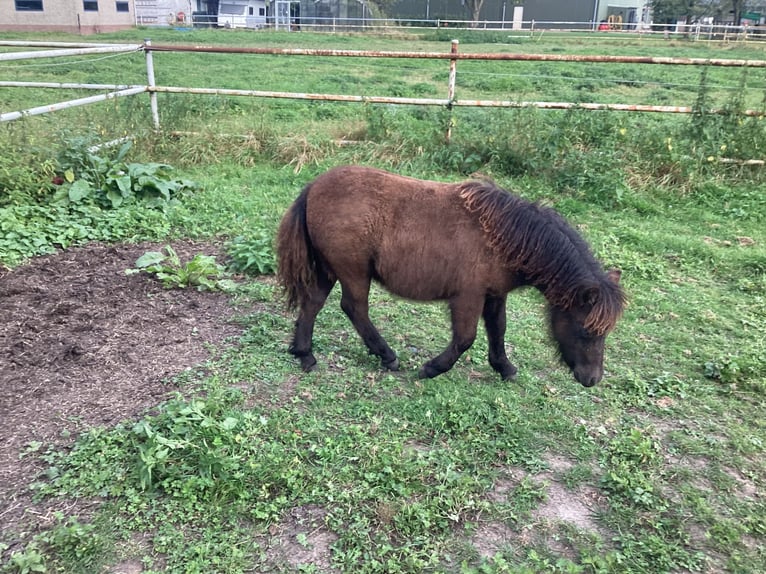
{"x":449,"y":101}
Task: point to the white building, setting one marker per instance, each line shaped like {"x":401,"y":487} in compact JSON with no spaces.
{"x":75,"y":16}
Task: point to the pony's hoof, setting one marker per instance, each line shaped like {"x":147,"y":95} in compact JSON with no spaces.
{"x":392,"y":365}
{"x":308,"y":364}
{"x":509,"y":374}
{"x":427,"y":372}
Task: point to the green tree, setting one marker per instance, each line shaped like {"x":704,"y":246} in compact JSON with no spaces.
{"x":668,"y":11}
{"x":381,"y":7}
{"x":474,"y":7}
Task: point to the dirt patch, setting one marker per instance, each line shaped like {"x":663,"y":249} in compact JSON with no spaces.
{"x":82,"y":344}
{"x":547,"y":522}
{"x":562,"y":504}
{"x":302,"y":539}
{"x":493,"y":537}
{"x":128,"y":567}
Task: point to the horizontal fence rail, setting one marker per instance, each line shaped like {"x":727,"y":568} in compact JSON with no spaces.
{"x":79,"y":51}
{"x":463,"y":56}
{"x":72,"y":103}
{"x":450,"y":101}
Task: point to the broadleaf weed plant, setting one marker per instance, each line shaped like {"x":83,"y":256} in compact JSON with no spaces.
{"x":202,"y":271}
{"x":110,"y":181}
{"x":49,"y":202}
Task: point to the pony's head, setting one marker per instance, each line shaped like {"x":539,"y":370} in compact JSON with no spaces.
{"x":580,"y":329}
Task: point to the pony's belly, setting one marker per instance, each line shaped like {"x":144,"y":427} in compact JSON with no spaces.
{"x":421,"y":281}
{"x":419,"y":292}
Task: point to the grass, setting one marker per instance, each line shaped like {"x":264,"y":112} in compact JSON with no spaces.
{"x":254,"y":466}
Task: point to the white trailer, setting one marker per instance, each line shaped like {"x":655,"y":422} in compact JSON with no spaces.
{"x":242,"y":13}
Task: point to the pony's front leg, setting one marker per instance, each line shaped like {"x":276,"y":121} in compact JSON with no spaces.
{"x":301,"y":347}
{"x":465,"y":317}
{"x":495,"y":323}
{"x":355,"y":305}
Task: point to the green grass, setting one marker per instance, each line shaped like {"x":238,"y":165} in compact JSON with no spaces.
{"x":254,"y":465}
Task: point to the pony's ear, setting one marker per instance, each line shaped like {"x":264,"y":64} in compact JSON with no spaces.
{"x":614,"y":276}
{"x":589,"y":296}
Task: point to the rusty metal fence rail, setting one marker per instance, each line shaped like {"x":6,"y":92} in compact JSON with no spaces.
{"x":449,"y":101}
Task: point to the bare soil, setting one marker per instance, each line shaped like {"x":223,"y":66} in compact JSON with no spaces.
{"x":82,"y":344}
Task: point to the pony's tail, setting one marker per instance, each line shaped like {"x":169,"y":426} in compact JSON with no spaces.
{"x":296,"y":262}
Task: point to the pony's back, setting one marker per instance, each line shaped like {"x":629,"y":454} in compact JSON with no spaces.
{"x":415,"y":237}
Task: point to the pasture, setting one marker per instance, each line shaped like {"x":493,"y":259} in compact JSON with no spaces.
{"x":169,"y":430}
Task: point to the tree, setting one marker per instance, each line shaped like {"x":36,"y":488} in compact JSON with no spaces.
{"x":474,"y":7}
{"x":737,"y":7}
{"x":382,"y":6}
{"x":668,"y":11}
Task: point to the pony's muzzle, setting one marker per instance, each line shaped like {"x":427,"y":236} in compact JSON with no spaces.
{"x":588,"y":377}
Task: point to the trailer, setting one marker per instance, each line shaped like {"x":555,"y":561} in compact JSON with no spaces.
{"x":242,"y":13}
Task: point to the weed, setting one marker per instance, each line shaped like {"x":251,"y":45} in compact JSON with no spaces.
{"x":26,"y":561}
{"x":201,"y":271}
{"x":109,"y":182}
{"x":253,"y":255}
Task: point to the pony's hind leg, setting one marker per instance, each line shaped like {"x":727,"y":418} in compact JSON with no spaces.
{"x":465,"y":318}
{"x":495,"y":323}
{"x":301,"y":346}
{"x":355,"y":304}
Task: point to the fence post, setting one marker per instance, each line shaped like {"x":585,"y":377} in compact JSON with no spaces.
{"x":451,"y":87}
{"x":152,"y":83}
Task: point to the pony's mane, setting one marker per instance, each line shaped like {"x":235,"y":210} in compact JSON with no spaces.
{"x":537,"y":242}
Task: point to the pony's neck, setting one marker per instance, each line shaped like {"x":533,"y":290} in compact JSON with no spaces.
{"x":563,"y":266}
{"x":534,"y":241}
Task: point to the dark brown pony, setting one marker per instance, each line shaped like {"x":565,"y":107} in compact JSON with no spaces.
{"x":466,"y":243}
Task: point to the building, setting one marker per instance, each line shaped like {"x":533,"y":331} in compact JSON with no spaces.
{"x":569,"y":14}
{"x":162,"y":12}
{"x":75,"y":16}
{"x":241,"y":14}
{"x":91,"y":16}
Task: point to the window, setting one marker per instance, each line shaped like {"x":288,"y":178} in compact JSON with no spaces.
{"x":123,"y":7}
{"x":231,"y":9}
{"x":90,"y":5}
{"x":29,"y":5}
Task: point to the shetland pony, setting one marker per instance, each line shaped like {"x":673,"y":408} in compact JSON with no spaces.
{"x":468,"y":243}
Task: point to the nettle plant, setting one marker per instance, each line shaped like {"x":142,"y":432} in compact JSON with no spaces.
{"x":110,"y":182}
